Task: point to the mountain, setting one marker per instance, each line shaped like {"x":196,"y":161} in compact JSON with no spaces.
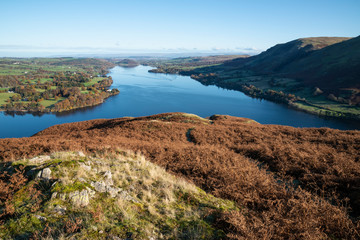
{"x":285,"y":182}
{"x":330,"y":63}
{"x":331,"y":68}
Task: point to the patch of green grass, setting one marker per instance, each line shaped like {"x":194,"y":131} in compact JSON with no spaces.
{"x":40,"y":90}
{"x":22,"y":227}
{"x":4,"y":97}
{"x":49,"y":103}
{"x":76,"y":186}
{"x":93,"y":81}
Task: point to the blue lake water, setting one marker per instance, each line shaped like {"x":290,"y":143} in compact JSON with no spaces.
{"x":143,"y":93}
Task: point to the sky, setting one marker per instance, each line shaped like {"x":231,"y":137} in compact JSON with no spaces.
{"x":143,"y":26}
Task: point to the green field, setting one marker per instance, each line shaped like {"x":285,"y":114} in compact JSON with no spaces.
{"x":93,"y":81}
{"x":51,"y":102}
{"x":4,"y":97}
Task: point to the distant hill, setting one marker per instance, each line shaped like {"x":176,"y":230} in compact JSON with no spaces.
{"x":330,"y":63}
{"x":331,"y":68}
{"x":127,"y":63}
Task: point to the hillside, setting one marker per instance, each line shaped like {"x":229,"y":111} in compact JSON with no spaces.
{"x":317,"y":75}
{"x":332,"y":69}
{"x":276,"y":58}
{"x":287,"y":183}
{"x":118,"y":196}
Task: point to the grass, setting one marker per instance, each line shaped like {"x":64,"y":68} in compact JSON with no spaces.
{"x":51,"y":102}
{"x":4,"y":97}
{"x":93,"y":81}
{"x":155,"y":204}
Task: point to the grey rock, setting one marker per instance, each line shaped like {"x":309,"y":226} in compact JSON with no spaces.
{"x":82,"y":180}
{"x":41,"y":218}
{"x":60,"y":210}
{"x":80,"y":199}
{"x":39,"y":159}
{"x":85,"y":167}
{"x":62,"y":196}
{"x":91,"y":192}
{"x":124,"y":195}
{"x":108,"y":178}
{"x":54,"y":195}
{"x":99,"y":186}
{"x":113,"y":191}
{"x":81,"y":154}
{"x":44,"y":174}
{"x":103,"y":187}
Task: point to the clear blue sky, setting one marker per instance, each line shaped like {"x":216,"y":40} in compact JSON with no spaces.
{"x":170,"y":25}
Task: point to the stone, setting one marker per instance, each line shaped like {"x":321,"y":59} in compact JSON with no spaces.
{"x":54,"y":195}
{"x":124,"y":195}
{"x":81,"y":154}
{"x":108,"y":178}
{"x":41,"y":218}
{"x":103,"y":187}
{"x":113,"y":191}
{"x":39,"y":159}
{"x":90,"y":191}
{"x":60,"y":210}
{"x":62,"y":196}
{"x":80,"y":199}
{"x":82,"y":180}
{"x":44,"y":174}
{"x":99,"y":186}
{"x":85,"y":167}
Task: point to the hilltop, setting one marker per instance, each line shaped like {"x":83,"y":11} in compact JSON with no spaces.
{"x":286,"y":183}
{"x":99,"y":196}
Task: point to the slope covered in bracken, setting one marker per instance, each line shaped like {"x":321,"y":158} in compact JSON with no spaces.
{"x":289,"y":183}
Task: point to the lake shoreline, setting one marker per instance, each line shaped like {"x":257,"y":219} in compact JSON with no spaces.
{"x":144,"y":94}
{"x":252,"y":91}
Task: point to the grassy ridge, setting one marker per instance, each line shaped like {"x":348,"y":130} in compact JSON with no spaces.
{"x":142,"y":201}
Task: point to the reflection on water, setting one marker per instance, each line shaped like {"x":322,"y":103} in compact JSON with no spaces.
{"x":143,"y":93}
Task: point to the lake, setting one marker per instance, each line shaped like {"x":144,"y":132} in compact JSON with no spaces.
{"x":143,"y":93}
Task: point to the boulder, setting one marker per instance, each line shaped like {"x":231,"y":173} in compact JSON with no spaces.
{"x":44,"y":174}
